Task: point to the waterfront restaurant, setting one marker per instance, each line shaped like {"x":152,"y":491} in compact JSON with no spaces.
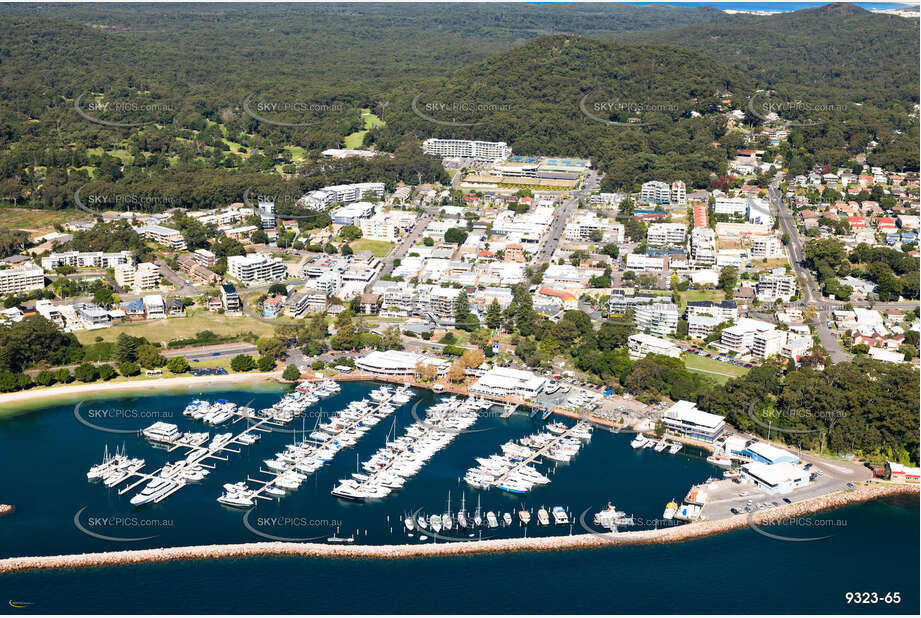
{"x":396,"y":363}
{"x":781,"y":478}
{"x":684,"y":419}
{"x":502,"y":381}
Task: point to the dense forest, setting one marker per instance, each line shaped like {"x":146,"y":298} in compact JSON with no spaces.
{"x":179,"y":76}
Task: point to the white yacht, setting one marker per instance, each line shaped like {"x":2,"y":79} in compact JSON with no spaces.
{"x":639,"y":441}
{"x":559,"y":516}
{"x":155,"y":489}
{"x":491,"y":520}
{"x":161,"y":432}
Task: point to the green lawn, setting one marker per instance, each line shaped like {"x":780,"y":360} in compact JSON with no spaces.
{"x":713,"y":369}
{"x":380,"y":248}
{"x":696,"y":295}
{"x":181,"y":328}
{"x":356,"y":140}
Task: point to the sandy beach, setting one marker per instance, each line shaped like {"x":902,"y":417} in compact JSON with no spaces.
{"x":35,"y":396}
{"x":675,"y":534}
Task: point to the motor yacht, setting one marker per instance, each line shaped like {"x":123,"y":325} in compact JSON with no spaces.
{"x":559,"y":516}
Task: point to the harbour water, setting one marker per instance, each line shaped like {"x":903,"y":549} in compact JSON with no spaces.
{"x":45,"y":456}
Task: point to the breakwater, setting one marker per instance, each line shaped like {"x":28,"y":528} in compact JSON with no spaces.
{"x":391,"y":552}
{"x":6,"y":509}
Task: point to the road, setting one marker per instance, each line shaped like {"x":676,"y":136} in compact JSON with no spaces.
{"x":400,"y":251}
{"x":551,"y":239}
{"x":213,"y":352}
{"x":183,"y":288}
{"x":810,"y":289}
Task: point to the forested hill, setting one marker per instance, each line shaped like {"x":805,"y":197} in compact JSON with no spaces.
{"x":838,"y":50}
{"x":628,"y":108}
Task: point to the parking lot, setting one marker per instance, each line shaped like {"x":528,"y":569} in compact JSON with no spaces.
{"x":725,"y":495}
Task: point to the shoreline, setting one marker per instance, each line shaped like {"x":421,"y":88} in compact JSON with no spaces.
{"x":41,"y":396}
{"x":677,"y":534}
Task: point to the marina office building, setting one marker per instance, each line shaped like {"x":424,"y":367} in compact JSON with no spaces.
{"x":396,"y":363}
{"x":779,"y":478}
{"x":502,"y":381}
{"x":684,"y":419}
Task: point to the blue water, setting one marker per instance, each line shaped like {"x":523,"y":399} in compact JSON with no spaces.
{"x":44,"y":457}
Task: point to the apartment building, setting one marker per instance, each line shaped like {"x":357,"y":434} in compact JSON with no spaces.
{"x":580,"y":228}
{"x":144,"y":276}
{"x":353,"y":213}
{"x":342,"y":194}
{"x":678,"y":193}
{"x":702,"y":326}
{"x":256,"y":267}
{"x":655,"y":191}
{"x":164,"y":235}
{"x":660,"y":319}
{"x":734,"y":206}
{"x":204,"y":257}
{"x":741,"y":336}
{"x":642,"y":344}
{"x":768,"y":343}
{"x":660,"y":234}
{"x":23,"y":278}
{"x":726,"y":310}
{"x":194,"y":269}
{"x":87,"y":259}
{"x":466,"y":149}
{"x":703,"y":246}
{"x":645,"y":263}
{"x":154,"y":306}
{"x":776,"y":287}
{"x":441,"y":303}
{"x":766,"y":247}
{"x":380,"y":227}
{"x":229,"y":298}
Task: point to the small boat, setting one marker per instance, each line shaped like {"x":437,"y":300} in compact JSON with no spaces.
{"x":435,"y":523}
{"x":675,"y":447}
{"x":272,"y":490}
{"x":559,"y":516}
{"x":543,"y":518}
{"x":639,"y":441}
{"x":524,"y":516}
{"x":670,"y":509}
{"x":491,"y":520}
{"x":507,"y":519}
{"x":422,"y":523}
{"x":409,"y":523}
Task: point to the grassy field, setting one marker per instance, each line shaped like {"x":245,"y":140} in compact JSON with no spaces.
{"x":181,"y":328}
{"x":380,"y":248}
{"x":714,"y":369}
{"x":356,"y":140}
{"x":37,"y":219}
{"x":696,"y":295}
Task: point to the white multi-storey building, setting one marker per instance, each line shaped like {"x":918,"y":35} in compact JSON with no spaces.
{"x":730,"y":206}
{"x":144,"y":276}
{"x":776,"y":287}
{"x":703,"y":246}
{"x":659,"y":319}
{"x":655,"y":191}
{"x":678,"y":194}
{"x":660,"y":234}
{"x":164,"y":235}
{"x":741,"y":336}
{"x":646,"y":263}
{"x":766,"y":247}
{"x":87,"y":259}
{"x":726,"y":310}
{"x":256,"y":267}
{"x":702,"y":326}
{"x":380,"y":227}
{"x":467,"y":149}
{"x":23,"y":278}
{"x":768,"y":343}
{"x":344,"y":194}
{"x":642,"y":344}
{"x":581,"y":227}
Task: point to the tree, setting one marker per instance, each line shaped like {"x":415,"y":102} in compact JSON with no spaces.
{"x":106,"y":372}
{"x":86,"y":372}
{"x":291,"y":373}
{"x":473,"y":358}
{"x":265,"y":363}
{"x":103,"y":297}
{"x":455,"y":235}
{"x":126,"y":348}
{"x":727,"y":280}
{"x":428,"y":241}
{"x":392,"y":339}
{"x":149,"y":357}
{"x":177,"y":364}
{"x":278,"y":288}
{"x":259,"y":237}
{"x":611,"y":250}
{"x":426,"y":372}
{"x":596,"y":235}
{"x":129,"y":368}
{"x":272,"y":346}
{"x":350,"y":232}
{"x":63,"y":375}
{"x":456,"y":371}
{"x":463,"y":319}
{"x":44,"y":378}
{"x":494,"y":315}
{"x":242,"y":362}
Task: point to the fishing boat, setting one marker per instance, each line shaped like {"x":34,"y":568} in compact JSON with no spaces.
{"x":720,"y":460}
{"x":670,"y":509}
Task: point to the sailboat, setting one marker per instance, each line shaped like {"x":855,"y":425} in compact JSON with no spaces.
{"x":462,"y":514}
{"x":477,"y":516}
{"x":447,"y":520}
